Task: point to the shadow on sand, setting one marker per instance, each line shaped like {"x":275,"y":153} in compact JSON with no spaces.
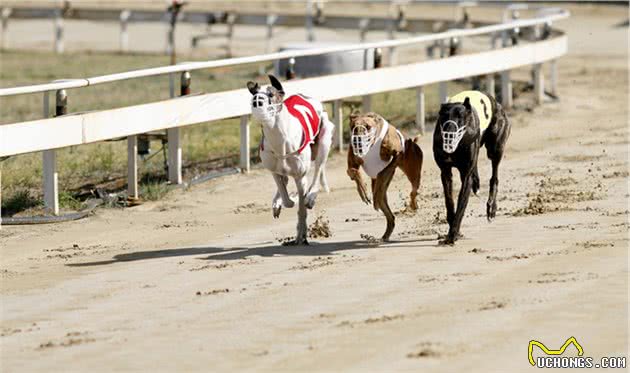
{"x":236,"y":253}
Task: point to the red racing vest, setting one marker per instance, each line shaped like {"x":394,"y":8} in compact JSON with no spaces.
{"x":301,"y":109}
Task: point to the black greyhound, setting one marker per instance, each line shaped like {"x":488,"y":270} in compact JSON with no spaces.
{"x":465,"y":123}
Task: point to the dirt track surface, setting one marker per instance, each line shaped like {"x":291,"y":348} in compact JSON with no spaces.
{"x":200,"y":282}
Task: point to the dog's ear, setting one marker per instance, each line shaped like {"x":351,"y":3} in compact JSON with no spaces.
{"x":354,"y":115}
{"x":253,"y":87}
{"x":467,"y":104}
{"x":444,"y":109}
{"x":276,"y":84}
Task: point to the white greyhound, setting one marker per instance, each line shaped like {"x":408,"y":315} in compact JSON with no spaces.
{"x":296,"y":131}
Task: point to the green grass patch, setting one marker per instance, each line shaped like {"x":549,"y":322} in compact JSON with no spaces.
{"x":107,"y":161}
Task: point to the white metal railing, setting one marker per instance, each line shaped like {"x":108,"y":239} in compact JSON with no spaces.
{"x":190,"y":66}
{"x":68,"y":130}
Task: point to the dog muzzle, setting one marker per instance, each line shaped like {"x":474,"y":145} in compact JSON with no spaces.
{"x":262,"y":110}
{"x":362,"y":140}
{"x":452,"y":134}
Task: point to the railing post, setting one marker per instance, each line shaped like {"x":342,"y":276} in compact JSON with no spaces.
{"x":271,"y":20}
{"x":364,"y":24}
{"x":366,"y":104}
{"x":420,"y":109}
{"x":553,"y":77}
{"x":391,"y":34}
{"x":338,"y":113}
{"x":539,"y":83}
{"x":245,"y":156}
{"x":132,"y":167}
{"x":6,"y":13}
{"x":51,"y":185}
{"x":310,"y":35}
{"x":231,"y":20}
{"x":506,"y":83}
{"x":443,"y":88}
{"x":174,"y":140}
{"x":490,"y":84}
{"x":124,"y":35}
{"x":59,"y":47}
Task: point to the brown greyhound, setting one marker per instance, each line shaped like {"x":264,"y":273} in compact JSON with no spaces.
{"x":379,"y":148}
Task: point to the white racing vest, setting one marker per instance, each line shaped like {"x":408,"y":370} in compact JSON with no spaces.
{"x":372,"y":162}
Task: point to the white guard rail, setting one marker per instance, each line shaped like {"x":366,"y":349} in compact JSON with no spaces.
{"x":70,"y":130}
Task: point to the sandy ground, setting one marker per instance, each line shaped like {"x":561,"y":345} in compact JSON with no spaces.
{"x":199,"y":281}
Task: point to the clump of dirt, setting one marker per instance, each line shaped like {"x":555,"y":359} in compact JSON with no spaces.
{"x":73,"y":338}
{"x":286,"y":241}
{"x":553,"y":194}
{"x":616,"y":174}
{"x":371,"y":239}
{"x":504,"y":258}
{"x":320,"y":228}
{"x":426,"y":350}
{"x":372,"y":320}
{"x":579,"y":158}
{"x":320,"y":261}
{"x":591,"y":244}
{"x":213,"y":292}
{"x":439,"y":219}
{"x":493,"y":305}
{"x":249,"y":208}
{"x":210,"y":266}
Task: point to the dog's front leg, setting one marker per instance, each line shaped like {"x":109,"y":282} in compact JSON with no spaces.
{"x":354,"y":163}
{"x":300,"y":238}
{"x":383,"y":179}
{"x":324,"y":143}
{"x":447,"y":185}
{"x":281,"y":198}
{"x":462,"y":202}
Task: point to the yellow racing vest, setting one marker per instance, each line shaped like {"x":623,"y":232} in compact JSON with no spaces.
{"x":480,"y":102}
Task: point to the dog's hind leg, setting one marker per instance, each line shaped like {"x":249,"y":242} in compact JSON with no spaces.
{"x":323,"y":180}
{"x":411,"y":165}
{"x":491,"y":205}
{"x":475,"y":180}
{"x":323,"y":148}
{"x":383,"y":179}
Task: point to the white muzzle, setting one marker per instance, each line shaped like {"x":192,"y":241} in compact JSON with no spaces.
{"x":362,"y":140}
{"x":452,"y":134}
{"x":262,"y":110}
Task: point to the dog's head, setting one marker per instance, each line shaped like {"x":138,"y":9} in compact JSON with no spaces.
{"x":266,"y":103}
{"x":454,"y":121}
{"x":363,"y":130}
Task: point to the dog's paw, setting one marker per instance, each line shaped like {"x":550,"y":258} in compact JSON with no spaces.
{"x":289,"y":203}
{"x":309,"y":201}
{"x":491,"y":211}
{"x":276,"y":211}
{"x":296,"y":242}
{"x":449,"y":239}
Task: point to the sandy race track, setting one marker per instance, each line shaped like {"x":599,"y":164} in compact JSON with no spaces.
{"x":199,"y":281}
